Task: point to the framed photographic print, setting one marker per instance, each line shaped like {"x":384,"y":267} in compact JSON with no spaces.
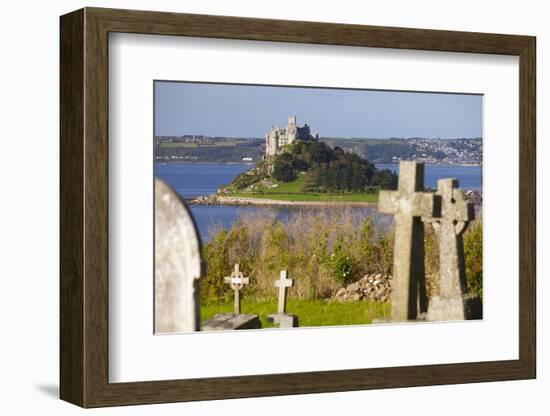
{"x":255,"y":207}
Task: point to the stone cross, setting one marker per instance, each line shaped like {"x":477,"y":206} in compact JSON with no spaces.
{"x":178,"y":264}
{"x":408,"y":204}
{"x":237,"y":282}
{"x":456,"y":212}
{"x":283,"y":283}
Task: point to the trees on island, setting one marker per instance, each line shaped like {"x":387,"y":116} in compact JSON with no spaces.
{"x":330,"y":170}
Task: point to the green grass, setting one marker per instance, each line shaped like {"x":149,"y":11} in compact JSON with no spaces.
{"x":293,"y":187}
{"x":291,"y":191}
{"x":310,"y":312}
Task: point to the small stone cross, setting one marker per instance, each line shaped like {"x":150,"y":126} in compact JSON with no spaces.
{"x":408,"y":204}
{"x":456,"y":212}
{"x":283,"y":283}
{"x":237,"y":281}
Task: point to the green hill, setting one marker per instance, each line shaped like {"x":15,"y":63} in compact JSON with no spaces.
{"x":312,"y":168}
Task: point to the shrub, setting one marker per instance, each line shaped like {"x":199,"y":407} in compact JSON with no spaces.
{"x":473,"y":254}
{"x":376,"y":247}
{"x":226,"y":248}
{"x":341,"y":264}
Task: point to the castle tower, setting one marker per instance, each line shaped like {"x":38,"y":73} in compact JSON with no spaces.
{"x":292,"y":120}
{"x":291,"y":130}
{"x":272,"y":141}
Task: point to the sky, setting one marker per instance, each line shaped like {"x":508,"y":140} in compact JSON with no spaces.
{"x":234,"y":110}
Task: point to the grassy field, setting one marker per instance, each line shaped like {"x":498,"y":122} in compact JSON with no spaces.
{"x":291,"y":191}
{"x":293,"y":187}
{"x":310,"y":312}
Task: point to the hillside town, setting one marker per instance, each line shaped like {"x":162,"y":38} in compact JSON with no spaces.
{"x":448,"y":151}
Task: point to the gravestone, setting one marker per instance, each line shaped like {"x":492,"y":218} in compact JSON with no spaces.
{"x":237,"y":282}
{"x":235,"y":320}
{"x":178,"y":264}
{"x":229,"y":322}
{"x":408,"y":204}
{"x":283,"y":283}
{"x":453,"y":302}
{"x":281,"y":318}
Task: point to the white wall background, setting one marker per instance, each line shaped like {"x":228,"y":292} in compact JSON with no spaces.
{"x":29,"y":85}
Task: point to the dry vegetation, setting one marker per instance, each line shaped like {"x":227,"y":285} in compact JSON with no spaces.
{"x":322,"y":251}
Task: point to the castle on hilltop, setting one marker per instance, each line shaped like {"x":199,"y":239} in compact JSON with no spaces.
{"x":279,"y":137}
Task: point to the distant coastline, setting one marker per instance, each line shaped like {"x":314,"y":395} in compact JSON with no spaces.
{"x":193,"y":148}
{"x":179,"y":162}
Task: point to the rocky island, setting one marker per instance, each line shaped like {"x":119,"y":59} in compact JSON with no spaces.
{"x":299,"y":169}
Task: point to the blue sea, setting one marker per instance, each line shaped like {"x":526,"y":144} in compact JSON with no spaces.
{"x":469,"y":177}
{"x":196,"y":179}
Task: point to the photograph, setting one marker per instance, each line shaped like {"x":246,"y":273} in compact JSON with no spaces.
{"x":293,"y":206}
{"x":299,"y":206}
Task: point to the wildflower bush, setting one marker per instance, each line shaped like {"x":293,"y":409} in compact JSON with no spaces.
{"x":340,"y":264}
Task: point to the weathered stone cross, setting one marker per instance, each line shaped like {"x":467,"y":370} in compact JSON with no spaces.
{"x":283,"y":283}
{"x":456,"y":212}
{"x":408,"y":204}
{"x":237,"y":281}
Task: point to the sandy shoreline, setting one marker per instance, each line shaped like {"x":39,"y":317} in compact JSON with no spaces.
{"x":217,"y":200}
{"x":242,"y":201}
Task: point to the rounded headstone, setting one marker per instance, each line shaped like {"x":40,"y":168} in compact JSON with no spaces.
{"x":178,"y":264}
